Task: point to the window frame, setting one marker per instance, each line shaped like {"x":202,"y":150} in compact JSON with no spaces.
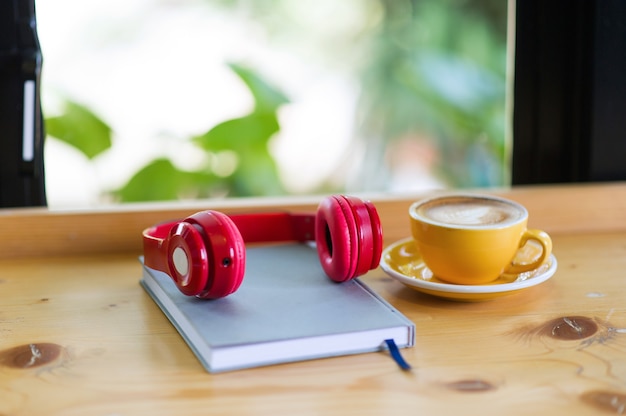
{"x":569,"y":91}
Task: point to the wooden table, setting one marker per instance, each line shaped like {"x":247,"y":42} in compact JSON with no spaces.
{"x":79,"y":336}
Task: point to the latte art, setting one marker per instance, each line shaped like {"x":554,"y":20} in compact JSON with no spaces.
{"x":470,"y":211}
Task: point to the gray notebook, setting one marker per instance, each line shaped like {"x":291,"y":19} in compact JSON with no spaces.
{"x":285,"y":310}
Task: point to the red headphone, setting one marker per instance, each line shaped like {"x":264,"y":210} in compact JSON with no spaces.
{"x":205,"y":255}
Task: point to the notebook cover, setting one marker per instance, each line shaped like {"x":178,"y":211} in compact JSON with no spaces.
{"x":285,"y":310}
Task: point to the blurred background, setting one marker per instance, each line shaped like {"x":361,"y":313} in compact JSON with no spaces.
{"x":149,"y":100}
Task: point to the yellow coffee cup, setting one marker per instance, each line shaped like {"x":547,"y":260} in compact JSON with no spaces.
{"x":472,"y":239}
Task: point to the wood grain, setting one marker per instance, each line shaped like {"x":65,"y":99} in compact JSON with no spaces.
{"x":43,"y":232}
{"x":78,"y":336}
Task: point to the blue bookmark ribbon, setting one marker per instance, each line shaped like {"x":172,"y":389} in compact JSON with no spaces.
{"x":394,"y":351}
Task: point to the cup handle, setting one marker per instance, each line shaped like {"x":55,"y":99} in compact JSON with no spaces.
{"x":546,"y":249}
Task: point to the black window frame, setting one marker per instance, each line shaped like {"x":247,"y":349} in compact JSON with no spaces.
{"x":569,"y":104}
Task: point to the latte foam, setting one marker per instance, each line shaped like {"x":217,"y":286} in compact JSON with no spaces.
{"x":470,"y":211}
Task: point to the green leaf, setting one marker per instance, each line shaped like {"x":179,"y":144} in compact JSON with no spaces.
{"x":253,"y":130}
{"x":266,"y":97}
{"x":160,"y":180}
{"x":80,"y":128}
{"x":256,"y":175}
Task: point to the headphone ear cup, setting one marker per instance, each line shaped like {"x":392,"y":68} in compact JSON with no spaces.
{"x":186,"y":258}
{"x":373,"y":221}
{"x":369,"y":234}
{"x":225,"y":251}
{"x":348,"y":236}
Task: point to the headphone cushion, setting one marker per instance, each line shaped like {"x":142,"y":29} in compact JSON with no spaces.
{"x":348,"y":236}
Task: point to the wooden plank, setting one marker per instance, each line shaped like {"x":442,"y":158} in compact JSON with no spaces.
{"x":80,"y":337}
{"x":44,"y":232}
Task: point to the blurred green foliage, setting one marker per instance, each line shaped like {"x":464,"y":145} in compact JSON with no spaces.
{"x":243,"y":142}
{"x":437,"y":73}
{"x":429,"y":70}
{"x":81,"y":128}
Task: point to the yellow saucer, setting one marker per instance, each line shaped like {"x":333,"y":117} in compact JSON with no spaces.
{"x":402,"y":261}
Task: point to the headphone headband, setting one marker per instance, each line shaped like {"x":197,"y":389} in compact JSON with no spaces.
{"x":205,"y":254}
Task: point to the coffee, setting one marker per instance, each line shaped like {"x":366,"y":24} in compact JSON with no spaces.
{"x":470,"y":211}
